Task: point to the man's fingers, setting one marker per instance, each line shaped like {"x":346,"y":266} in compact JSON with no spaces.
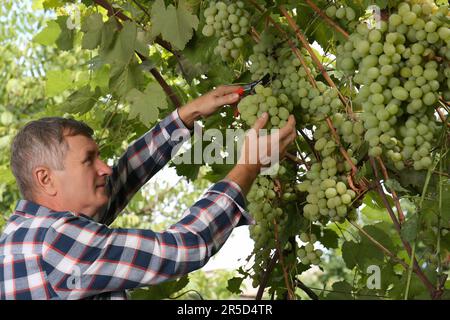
{"x":227,"y":99}
{"x":224,"y":90}
{"x":261,"y":122}
{"x":288,"y":128}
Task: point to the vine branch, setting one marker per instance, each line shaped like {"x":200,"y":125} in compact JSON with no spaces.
{"x":265,"y":277}
{"x":306,"y":289}
{"x":291,"y":295}
{"x":379,"y":245}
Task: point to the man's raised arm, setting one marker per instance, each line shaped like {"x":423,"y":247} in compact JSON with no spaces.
{"x":148,"y":154}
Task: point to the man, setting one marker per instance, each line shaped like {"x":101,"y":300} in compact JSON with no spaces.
{"x":57,"y":244}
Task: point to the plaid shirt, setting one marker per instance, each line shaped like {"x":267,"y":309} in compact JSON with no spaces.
{"x":45,"y":254}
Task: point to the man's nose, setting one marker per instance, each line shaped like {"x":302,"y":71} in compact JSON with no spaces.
{"x":103,"y":169}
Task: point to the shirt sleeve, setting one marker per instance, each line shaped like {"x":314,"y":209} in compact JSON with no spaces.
{"x":142,"y":160}
{"x":84,"y":258}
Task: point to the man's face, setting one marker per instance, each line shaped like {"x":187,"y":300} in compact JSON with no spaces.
{"x":81,"y":186}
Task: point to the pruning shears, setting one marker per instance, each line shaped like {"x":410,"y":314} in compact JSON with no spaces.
{"x":249,"y":88}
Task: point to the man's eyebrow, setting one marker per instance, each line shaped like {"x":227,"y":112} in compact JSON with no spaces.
{"x":92,"y":153}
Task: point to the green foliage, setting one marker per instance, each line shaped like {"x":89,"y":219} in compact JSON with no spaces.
{"x":160,"y":291}
{"x":146,"y":104}
{"x":175,"y":25}
{"x":49,"y":35}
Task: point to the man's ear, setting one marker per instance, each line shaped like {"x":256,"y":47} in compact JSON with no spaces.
{"x":44,"y":180}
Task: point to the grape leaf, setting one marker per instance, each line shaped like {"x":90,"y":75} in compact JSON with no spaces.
{"x":218,"y":172}
{"x":175,"y":25}
{"x":234,"y":285}
{"x":92,"y":28}
{"x":143,"y":41}
{"x":395,"y":185}
{"x":66,"y":37}
{"x":57,"y":82}
{"x":160,"y":291}
{"x":329,"y":238}
{"x":81,"y":101}
{"x":49,"y":34}
{"x":323,"y":33}
{"x":109,"y":31}
{"x":146,"y":104}
{"x":190,"y":171}
{"x":410,"y":228}
{"x":123,"y":79}
{"x":101,"y":78}
{"x":123,"y":50}
{"x":342,"y":290}
{"x":350,"y":251}
{"x":158,"y":25}
{"x":379,"y":232}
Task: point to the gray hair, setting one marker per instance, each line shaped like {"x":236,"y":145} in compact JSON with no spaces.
{"x":42,"y":143}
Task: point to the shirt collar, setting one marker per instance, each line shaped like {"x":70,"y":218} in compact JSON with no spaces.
{"x":34,"y":209}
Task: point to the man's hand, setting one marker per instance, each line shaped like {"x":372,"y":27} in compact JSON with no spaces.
{"x":254,"y":153}
{"x":208,"y":104}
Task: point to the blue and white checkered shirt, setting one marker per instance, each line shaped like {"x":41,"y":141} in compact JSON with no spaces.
{"x":46,"y":254}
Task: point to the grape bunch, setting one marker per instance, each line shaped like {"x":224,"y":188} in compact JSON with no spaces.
{"x":400,"y":80}
{"x":274,"y":56}
{"x":307,"y":254}
{"x":253,"y":106}
{"x":328,"y":195}
{"x":264,"y":60}
{"x":229,"y":22}
{"x":341,"y":13}
{"x":263,"y":205}
{"x":345,"y":15}
{"x":319,"y":102}
{"x":292,"y":76}
{"x":351,"y":130}
{"x":418,"y":134}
